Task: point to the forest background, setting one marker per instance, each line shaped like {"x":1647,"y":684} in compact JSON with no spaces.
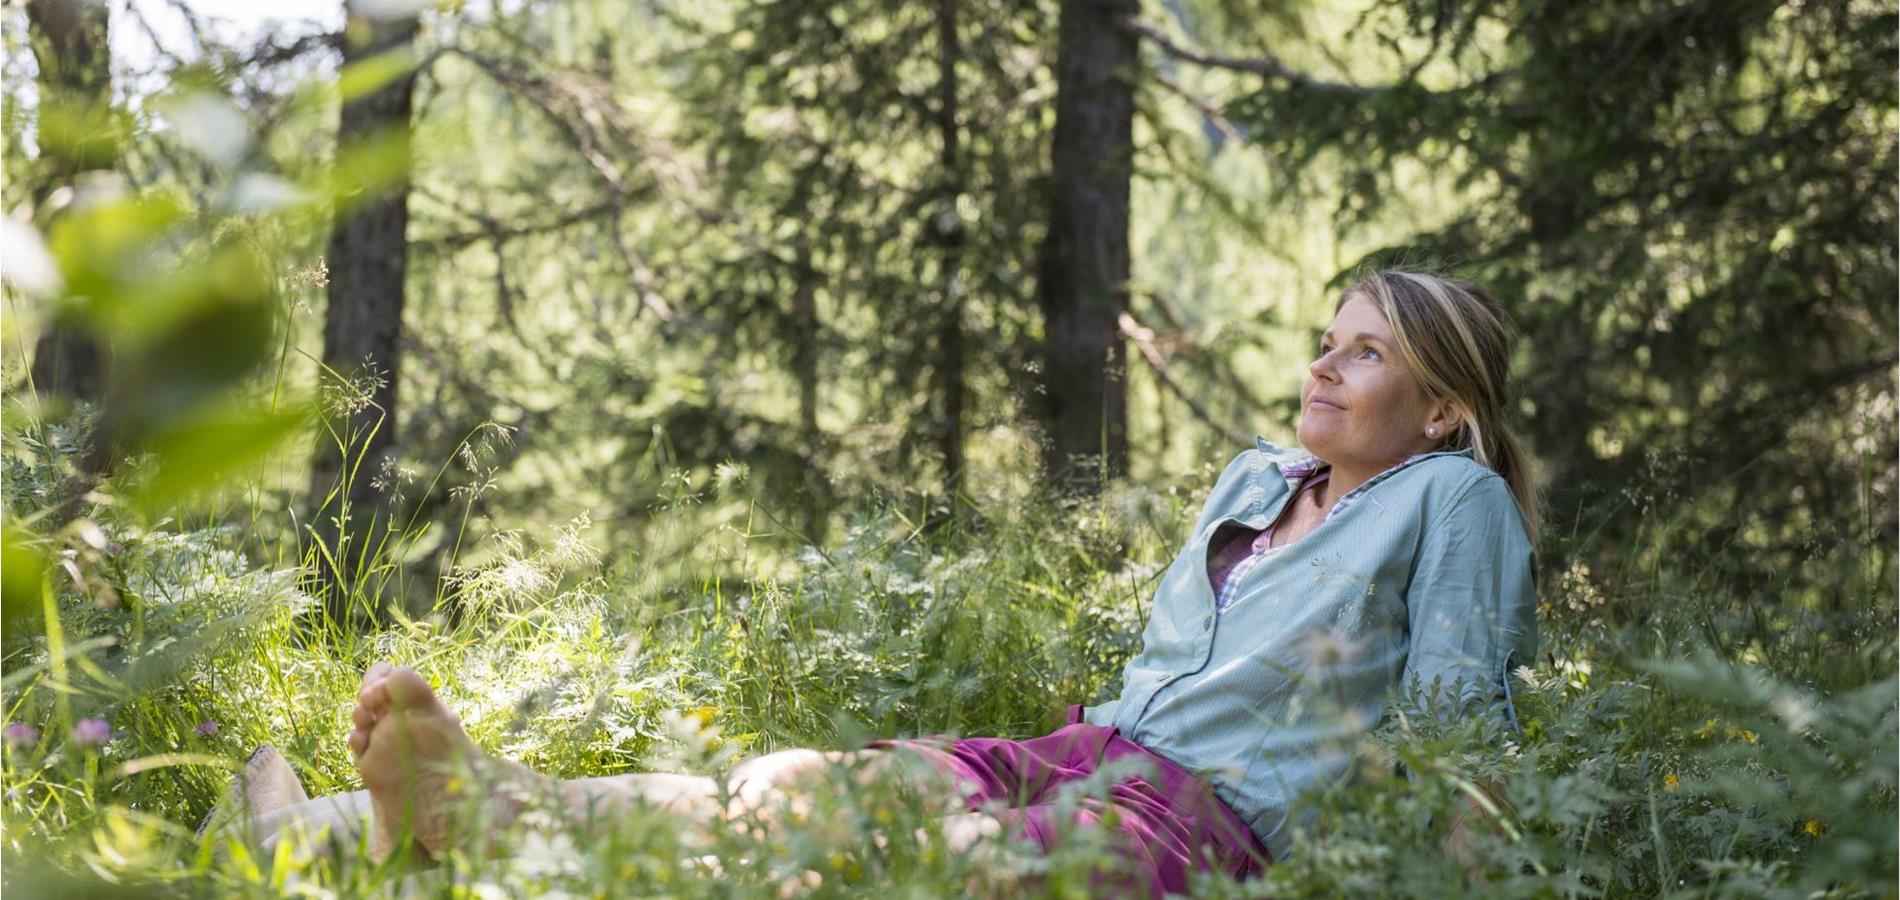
{"x":695,"y":380}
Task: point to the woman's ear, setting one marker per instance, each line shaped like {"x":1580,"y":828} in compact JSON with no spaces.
{"x":1446,"y":417}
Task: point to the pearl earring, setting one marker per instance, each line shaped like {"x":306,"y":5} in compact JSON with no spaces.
{"x":1432,"y":431}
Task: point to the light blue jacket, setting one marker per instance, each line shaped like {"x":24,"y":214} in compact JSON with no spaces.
{"x":1423,"y":576}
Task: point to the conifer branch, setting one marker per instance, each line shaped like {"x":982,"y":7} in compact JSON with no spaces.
{"x":1144,"y":340}
{"x":1269,"y":67}
{"x":1265,"y":66}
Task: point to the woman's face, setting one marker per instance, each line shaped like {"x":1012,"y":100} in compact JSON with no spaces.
{"x":1360,"y":407}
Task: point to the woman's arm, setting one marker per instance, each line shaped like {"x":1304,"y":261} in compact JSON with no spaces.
{"x":1472,"y":601}
{"x":1472,"y":605}
{"x":1473,"y":817}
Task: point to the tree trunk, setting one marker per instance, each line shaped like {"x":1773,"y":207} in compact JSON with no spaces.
{"x":947,"y":228}
{"x":76,"y":134}
{"x":817,"y":498}
{"x":1082,"y":283}
{"x":362,"y":328}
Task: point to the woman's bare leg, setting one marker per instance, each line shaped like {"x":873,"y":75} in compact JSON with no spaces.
{"x":964,"y":831}
{"x":406,"y":744}
{"x":335,"y":823}
{"x":788,"y":776}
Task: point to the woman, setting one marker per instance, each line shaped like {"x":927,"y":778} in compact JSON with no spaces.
{"x":1393,"y":554}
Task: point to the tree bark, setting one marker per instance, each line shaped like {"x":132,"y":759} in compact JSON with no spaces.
{"x":805,"y":343}
{"x":1082,"y":283}
{"x":362,"y":328}
{"x":947,"y":228}
{"x":817,"y":499}
{"x":75,"y":84}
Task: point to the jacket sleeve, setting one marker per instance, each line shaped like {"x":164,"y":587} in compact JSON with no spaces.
{"x":1471,"y":604}
{"x":1095,"y":715}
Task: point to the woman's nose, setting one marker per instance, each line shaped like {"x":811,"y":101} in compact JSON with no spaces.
{"x":1322,"y":368}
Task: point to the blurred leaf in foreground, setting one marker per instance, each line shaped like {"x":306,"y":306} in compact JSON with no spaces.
{"x":204,"y":452}
{"x":20,"y":568}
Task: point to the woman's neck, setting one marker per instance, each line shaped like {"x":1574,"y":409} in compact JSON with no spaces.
{"x":1349,"y":475}
{"x":1346,"y":479}
{"x":1339,"y":485}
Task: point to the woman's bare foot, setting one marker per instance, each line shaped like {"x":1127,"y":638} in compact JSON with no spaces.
{"x":422,"y":770}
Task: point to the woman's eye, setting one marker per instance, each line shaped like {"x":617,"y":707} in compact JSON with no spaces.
{"x":1373,"y":352}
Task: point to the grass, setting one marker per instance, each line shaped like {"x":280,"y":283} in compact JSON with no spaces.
{"x":1651,"y":762}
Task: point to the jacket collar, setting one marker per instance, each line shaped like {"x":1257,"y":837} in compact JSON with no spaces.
{"x":1290,"y":459}
{"x":1295,"y":464}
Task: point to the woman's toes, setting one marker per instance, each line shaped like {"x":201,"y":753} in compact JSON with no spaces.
{"x":359,"y":740}
{"x":374,"y":698}
{"x":361,"y":717}
{"x":406,"y":689}
{"x":376,"y":672}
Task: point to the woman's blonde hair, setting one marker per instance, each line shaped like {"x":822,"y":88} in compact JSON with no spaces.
{"x":1455,"y":339}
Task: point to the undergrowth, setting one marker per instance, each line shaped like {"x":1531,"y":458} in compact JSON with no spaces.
{"x":1648,"y":763}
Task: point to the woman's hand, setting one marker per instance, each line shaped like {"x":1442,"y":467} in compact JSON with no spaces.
{"x":1460,"y":843}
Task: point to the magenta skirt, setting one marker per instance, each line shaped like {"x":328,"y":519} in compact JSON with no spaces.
{"x":1167,"y":824}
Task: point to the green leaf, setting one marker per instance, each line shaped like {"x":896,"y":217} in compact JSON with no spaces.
{"x":21,"y":565}
{"x":367,"y":76}
{"x":199,"y":454}
{"x":105,"y":250}
{"x":367,"y":168}
{"x":83,"y":135}
{"x":226,"y":279}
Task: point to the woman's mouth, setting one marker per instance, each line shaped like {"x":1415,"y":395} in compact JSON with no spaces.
{"x":1321,"y":404}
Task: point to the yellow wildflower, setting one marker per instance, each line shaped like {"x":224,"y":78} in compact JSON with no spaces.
{"x":1669,"y":781}
{"x":1813,"y":828}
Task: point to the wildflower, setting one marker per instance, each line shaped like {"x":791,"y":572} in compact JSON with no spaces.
{"x":1795,"y":709}
{"x":1326,"y":648}
{"x":1580,"y":593}
{"x":208,"y":727}
{"x":349,"y":396}
{"x":315,"y":275}
{"x":1670,"y":782}
{"x":1813,"y":828}
{"x":20,"y":734}
{"x":1576,"y":672}
{"x":88,"y":732}
{"x":728,"y":475}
